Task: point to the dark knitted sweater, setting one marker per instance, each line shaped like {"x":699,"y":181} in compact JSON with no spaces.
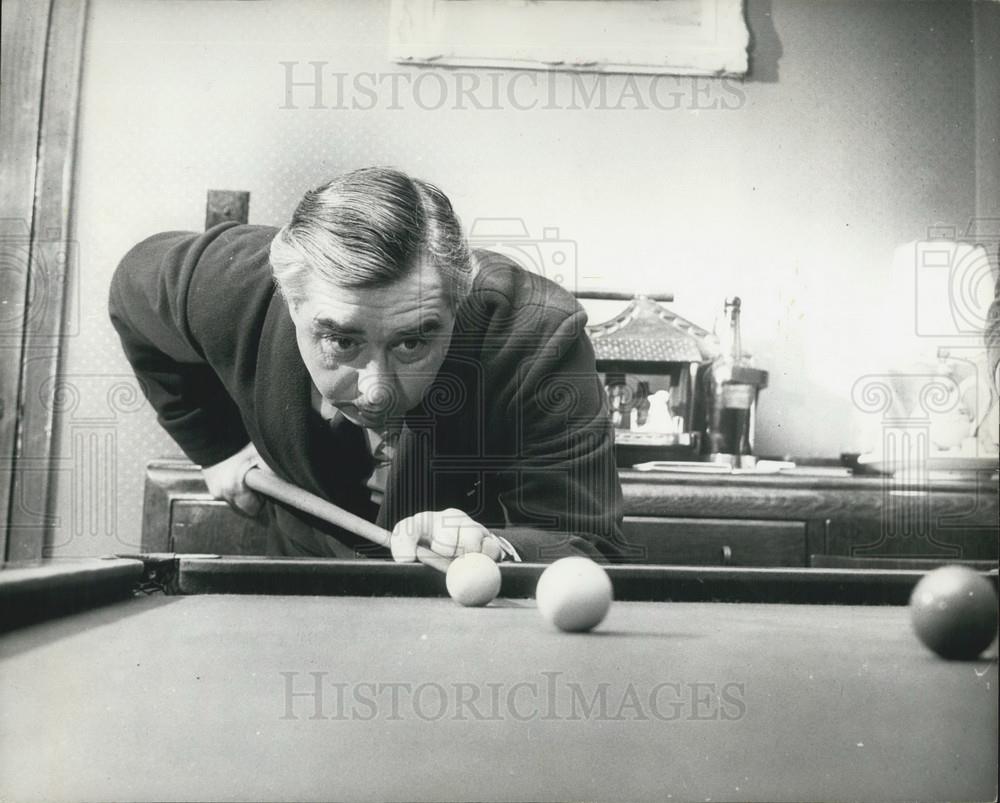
{"x":513,"y":430}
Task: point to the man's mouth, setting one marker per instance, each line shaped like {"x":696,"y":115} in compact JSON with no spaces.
{"x":362,"y":415}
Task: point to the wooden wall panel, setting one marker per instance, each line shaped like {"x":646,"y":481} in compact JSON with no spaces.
{"x":42,"y":55}
{"x":22,"y":63}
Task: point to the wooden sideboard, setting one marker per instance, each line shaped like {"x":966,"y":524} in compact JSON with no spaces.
{"x":797,"y":519}
{"x":803,"y":519}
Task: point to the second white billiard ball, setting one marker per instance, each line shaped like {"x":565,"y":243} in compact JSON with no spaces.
{"x":574,"y":594}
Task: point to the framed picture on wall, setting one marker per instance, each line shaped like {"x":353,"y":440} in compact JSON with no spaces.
{"x":675,"y":37}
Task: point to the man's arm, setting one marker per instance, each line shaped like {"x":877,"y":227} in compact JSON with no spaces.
{"x":148,"y":304}
{"x":564,"y":497}
{"x":549,"y":462}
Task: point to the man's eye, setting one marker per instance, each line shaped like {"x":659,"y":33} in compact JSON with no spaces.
{"x":412,"y":347}
{"x":339,"y":345}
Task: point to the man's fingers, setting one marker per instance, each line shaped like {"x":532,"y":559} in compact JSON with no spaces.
{"x":491,"y":547}
{"x":444,"y":537}
{"x":225,"y":480}
{"x":455,"y":534}
{"x":406,"y":535}
{"x":247,"y":502}
{"x":243,"y":498}
{"x":449,"y":533}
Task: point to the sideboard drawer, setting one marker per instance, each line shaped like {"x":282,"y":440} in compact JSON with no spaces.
{"x":210,"y":526}
{"x":717,"y":542}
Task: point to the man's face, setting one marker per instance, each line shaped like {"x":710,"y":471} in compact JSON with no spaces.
{"x":373,"y":352}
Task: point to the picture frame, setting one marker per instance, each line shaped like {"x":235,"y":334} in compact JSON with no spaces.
{"x":670,"y":37}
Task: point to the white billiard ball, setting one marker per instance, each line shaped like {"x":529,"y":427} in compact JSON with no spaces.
{"x":574,"y":594}
{"x":473,"y":580}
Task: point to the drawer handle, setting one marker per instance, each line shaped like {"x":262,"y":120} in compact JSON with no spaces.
{"x":727,"y":555}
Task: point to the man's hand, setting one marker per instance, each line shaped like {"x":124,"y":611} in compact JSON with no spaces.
{"x":449,"y":533}
{"x":225,"y":481}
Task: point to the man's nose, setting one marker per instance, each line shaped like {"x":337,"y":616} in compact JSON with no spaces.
{"x":376,"y":388}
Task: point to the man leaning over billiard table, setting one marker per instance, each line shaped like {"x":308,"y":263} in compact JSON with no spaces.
{"x":362,"y":352}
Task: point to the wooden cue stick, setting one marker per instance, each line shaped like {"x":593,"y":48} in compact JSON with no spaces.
{"x":270,"y":484}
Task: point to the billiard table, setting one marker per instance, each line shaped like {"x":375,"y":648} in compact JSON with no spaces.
{"x":201,"y":677}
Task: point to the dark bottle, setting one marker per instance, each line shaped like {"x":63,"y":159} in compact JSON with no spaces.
{"x":728,"y":402}
{"x":735,"y":421}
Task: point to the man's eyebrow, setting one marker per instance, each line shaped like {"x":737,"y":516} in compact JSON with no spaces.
{"x":330,"y":325}
{"x":428,"y":327}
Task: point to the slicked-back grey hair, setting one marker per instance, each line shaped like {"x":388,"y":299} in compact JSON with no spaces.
{"x":370,"y":228}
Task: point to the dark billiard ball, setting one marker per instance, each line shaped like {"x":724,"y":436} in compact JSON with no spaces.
{"x":954,"y":612}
